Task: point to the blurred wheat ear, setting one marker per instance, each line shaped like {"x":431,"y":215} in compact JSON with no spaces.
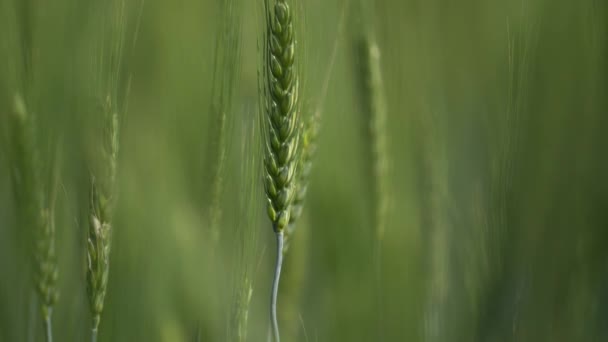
{"x":33,"y":173}
{"x":108,"y":67}
{"x":310,"y":131}
{"x":100,"y":219}
{"x":375,"y":109}
{"x":36,"y":204}
{"x":225,"y":76}
{"x":281,"y":123}
{"x":246,"y":238}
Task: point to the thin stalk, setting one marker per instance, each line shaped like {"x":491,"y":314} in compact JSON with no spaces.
{"x":377,"y":260}
{"x":275,"y":287}
{"x":95,"y":327}
{"x":48,"y":328}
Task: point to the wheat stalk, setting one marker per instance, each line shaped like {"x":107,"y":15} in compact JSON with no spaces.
{"x":281,"y":127}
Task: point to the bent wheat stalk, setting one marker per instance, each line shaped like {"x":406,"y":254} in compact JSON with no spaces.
{"x":281,"y":127}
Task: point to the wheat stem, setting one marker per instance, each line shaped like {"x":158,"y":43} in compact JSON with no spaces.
{"x":275,"y":287}
{"x":48,"y":328}
{"x":94,"y":335}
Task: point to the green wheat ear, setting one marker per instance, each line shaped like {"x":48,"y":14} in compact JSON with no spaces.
{"x":36,"y":203}
{"x":307,"y":152}
{"x":100,"y":217}
{"x":310,"y":131}
{"x":225,"y":78}
{"x":108,"y":68}
{"x":282,"y":117}
{"x":375,"y":107}
{"x":281,"y":126}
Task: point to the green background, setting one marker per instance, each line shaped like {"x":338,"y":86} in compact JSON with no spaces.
{"x":498,"y":221}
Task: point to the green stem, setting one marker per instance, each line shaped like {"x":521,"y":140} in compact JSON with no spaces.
{"x":275,"y":287}
{"x":48,"y":328}
{"x":378,"y":286}
{"x":95,"y":328}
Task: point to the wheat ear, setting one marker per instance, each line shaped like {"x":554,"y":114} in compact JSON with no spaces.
{"x":100,"y":218}
{"x":310,"y":132}
{"x":246,"y":235}
{"x":281,"y":126}
{"x":225,"y":77}
{"x":376,"y":107}
{"x":34,"y":203}
{"x":36,"y":208}
{"x":102,"y":190}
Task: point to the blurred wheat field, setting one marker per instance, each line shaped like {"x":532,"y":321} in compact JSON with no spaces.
{"x":497,"y":207}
